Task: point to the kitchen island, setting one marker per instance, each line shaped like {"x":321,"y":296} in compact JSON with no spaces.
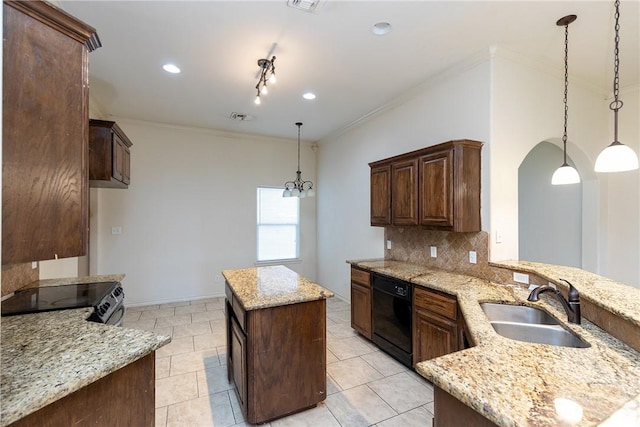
{"x":60,"y":369}
{"x":513,"y":383}
{"x":276,"y":341}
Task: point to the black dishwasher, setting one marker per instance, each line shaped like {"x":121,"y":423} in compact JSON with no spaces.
{"x":391,"y":315}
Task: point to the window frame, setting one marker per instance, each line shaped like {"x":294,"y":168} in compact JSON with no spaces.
{"x":295,"y":259}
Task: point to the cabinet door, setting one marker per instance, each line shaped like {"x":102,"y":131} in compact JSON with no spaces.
{"x":126,"y":166}
{"x":436,"y":189}
{"x":404,"y":190}
{"x":361,"y":309}
{"x":45,"y":133}
{"x":433,"y":336}
{"x":118,"y":157}
{"x":238,"y":356}
{"x":381,"y":195}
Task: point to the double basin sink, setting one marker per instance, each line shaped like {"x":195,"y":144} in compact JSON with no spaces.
{"x":530,"y":324}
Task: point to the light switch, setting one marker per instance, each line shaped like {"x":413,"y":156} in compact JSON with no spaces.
{"x":389,"y":244}
{"x":434,"y":251}
{"x":116,"y":230}
{"x":472,"y":257}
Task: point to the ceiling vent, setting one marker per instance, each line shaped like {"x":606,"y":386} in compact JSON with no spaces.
{"x":240,"y":117}
{"x":310,"y":6}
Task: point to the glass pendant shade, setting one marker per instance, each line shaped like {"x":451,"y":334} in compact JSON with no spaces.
{"x":565,"y":174}
{"x":616,"y":157}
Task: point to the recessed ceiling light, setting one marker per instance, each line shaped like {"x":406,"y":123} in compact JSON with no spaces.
{"x":381,"y":28}
{"x":171,"y":68}
{"x":309,"y":95}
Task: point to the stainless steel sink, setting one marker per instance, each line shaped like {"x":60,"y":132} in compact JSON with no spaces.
{"x":530,"y":324}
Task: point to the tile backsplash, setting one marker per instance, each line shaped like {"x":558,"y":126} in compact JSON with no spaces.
{"x":413,"y":245}
{"x":16,"y":276}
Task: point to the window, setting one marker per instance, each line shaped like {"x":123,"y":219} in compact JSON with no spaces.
{"x":277,"y":225}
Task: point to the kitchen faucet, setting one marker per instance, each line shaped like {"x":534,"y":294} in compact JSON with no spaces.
{"x":572,"y":307}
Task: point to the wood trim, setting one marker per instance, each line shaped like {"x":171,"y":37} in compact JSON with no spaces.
{"x":428,"y":150}
{"x":59,"y":20}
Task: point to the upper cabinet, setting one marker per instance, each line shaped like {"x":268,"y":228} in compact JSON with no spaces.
{"x":435,"y":187}
{"x":109,"y":155}
{"x":381,"y":195}
{"x":45,"y":132}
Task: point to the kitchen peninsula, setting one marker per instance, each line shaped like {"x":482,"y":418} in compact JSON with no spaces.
{"x":507,"y":382}
{"x":276,"y":341}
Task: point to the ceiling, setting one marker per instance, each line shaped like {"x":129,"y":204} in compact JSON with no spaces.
{"x":331,"y":52}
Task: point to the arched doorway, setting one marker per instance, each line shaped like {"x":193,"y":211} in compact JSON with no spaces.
{"x":550,"y":220}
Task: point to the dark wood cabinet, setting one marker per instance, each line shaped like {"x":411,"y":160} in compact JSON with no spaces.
{"x":276,"y":357}
{"x":435,"y":324}
{"x":361,"y":302}
{"x":45,"y":132}
{"x":404,"y":192}
{"x":109,"y":155}
{"x":381,"y":195}
{"x":436,"y":187}
{"x":450,"y":412}
{"x":125,"y":397}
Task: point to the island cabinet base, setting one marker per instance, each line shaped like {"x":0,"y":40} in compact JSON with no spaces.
{"x":450,"y":412}
{"x":125,"y":397}
{"x":276,"y":357}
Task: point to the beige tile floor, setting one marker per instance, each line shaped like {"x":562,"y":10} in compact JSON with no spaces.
{"x":365,"y":387}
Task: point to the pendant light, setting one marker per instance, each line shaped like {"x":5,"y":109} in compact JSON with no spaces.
{"x":617,"y":157}
{"x":565,"y":174}
{"x":299,"y":187}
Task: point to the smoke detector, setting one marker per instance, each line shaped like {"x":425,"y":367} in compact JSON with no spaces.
{"x":310,"y":6}
{"x":240,"y":117}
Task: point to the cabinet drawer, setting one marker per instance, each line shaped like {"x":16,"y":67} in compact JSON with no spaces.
{"x":435,"y":302}
{"x":361,"y":277}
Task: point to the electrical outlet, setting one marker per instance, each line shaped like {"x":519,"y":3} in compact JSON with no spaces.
{"x":34,"y":265}
{"x":472,"y":257}
{"x":434,"y":252}
{"x":116,"y":230}
{"x":389,"y":244}
{"x":521,"y":278}
{"x":498,"y":236}
{"x":218,"y":278}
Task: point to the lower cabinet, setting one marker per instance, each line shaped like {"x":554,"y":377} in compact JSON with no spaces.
{"x":276,"y":357}
{"x":450,"y":412}
{"x":361,"y":302}
{"x":435,"y":324}
{"x":125,"y":397}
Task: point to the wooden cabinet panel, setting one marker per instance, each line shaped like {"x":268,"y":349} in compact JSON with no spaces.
{"x":404,"y":192}
{"x":45,"y":131}
{"x":278,"y":363}
{"x":435,"y":302}
{"x":361,"y":277}
{"x":435,"y":324}
{"x":109,"y":155}
{"x":433,"y":336}
{"x":381,"y":195}
{"x":435,"y":188}
{"x":238,"y":353}
{"x":361,"y":309}
{"x":125,"y":397}
{"x":450,"y":412}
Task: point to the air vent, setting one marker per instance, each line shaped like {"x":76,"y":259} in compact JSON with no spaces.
{"x":241,"y":117}
{"x":310,"y":6}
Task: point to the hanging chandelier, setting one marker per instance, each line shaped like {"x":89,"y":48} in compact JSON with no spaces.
{"x":267,"y":76}
{"x":299,"y":187}
{"x":565,"y":174}
{"x":617,"y":157}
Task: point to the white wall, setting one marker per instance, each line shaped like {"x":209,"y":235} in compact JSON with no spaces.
{"x":526,"y":109}
{"x":190,"y":210}
{"x":455,"y":105}
{"x":620,"y":245}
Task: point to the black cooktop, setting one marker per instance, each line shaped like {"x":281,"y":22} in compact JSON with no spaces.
{"x":49,"y":298}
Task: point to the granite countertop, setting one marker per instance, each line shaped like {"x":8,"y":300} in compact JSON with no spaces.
{"x":272,"y":286}
{"x":514,"y":383}
{"x":47,"y":356}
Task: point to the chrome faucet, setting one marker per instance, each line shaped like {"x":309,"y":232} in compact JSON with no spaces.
{"x":572,"y":306}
